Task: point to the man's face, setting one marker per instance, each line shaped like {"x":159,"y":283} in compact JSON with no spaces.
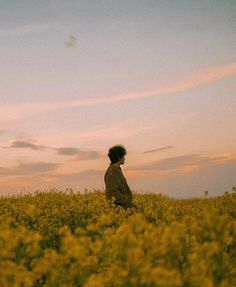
{"x":122,"y":160}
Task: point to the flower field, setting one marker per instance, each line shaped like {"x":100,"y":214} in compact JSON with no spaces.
{"x":67,"y":239}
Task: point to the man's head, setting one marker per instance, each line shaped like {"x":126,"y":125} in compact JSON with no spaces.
{"x":117,"y":154}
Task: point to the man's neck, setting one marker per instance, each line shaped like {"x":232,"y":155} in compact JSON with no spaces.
{"x":117,"y":164}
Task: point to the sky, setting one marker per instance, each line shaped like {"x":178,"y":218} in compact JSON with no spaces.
{"x":157,"y":76}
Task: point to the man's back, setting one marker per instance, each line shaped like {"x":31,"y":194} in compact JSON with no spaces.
{"x":117,"y":187}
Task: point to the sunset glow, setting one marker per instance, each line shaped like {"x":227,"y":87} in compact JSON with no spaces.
{"x":158,"y":77}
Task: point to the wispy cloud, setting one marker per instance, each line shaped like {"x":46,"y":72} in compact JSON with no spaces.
{"x":27,"y":145}
{"x":186,"y":83}
{"x":179,"y":165}
{"x":79,"y":155}
{"x":24,"y":30}
{"x":203,"y":77}
{"x":159,"y":149}
{"x":67,"y":150}
{"x":108,"y":133}
{"x":38,"y":167}
{"x":35,"y":29}
{"x":29,"y":168}
{"x":88,"y":155}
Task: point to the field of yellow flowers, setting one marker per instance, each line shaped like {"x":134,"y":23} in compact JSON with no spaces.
{"x":65,"y":239}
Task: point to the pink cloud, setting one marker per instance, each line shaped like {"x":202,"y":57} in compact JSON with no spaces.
{"x":179,"y":165}
{"x":186,"y":83}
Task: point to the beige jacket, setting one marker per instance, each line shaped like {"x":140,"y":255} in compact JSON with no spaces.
{"x":117,"y":187}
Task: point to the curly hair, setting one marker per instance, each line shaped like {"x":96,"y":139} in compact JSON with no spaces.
{"x":116,"y":153}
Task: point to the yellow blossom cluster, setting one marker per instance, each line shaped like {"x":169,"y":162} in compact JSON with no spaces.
{"x":65,"y":239}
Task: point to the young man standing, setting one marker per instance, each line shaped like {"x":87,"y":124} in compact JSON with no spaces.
{"x":115,"y":182}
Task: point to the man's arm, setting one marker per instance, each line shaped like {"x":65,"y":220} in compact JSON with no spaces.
{"x":114,"y":188}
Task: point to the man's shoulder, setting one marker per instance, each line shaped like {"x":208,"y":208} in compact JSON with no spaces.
{"x":112,"y":169}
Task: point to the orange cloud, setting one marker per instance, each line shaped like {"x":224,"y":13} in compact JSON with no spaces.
{"x":206,"y":76}
{"x":179,"y":165}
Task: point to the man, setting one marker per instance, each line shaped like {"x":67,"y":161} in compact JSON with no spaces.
{"x":116,"y":184}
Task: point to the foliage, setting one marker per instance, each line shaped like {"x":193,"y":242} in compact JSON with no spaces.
{"x":73,"y":239}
